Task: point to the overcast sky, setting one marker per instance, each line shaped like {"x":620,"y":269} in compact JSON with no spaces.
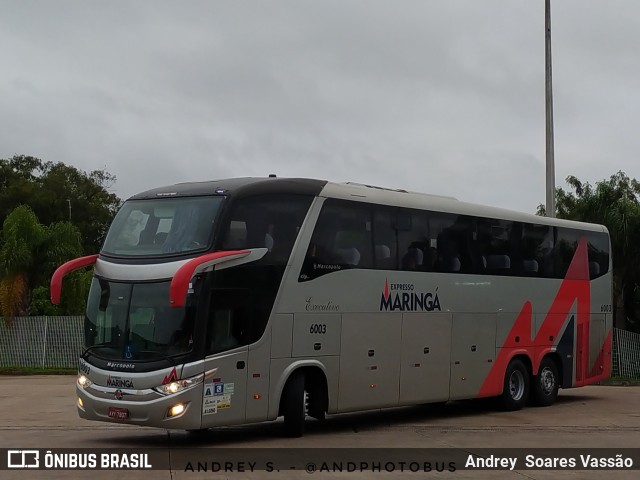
{"x":437,"y":96}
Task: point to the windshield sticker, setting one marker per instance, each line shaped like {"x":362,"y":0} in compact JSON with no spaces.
{"x":209,"y":406}
{"x":217,"y":396}
{"x":403,"y":297}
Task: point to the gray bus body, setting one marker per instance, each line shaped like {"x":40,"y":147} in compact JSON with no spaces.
{"x":382,"y":298}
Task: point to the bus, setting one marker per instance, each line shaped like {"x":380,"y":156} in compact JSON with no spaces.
{"x":244,"y":300}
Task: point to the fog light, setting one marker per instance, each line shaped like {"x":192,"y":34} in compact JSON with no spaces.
{"x":176,"y":410}
{"x":80,"y":404}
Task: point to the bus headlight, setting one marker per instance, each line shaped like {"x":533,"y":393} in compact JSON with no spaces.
{"x":179,"y":385}
{"x":83,"y":381}
{"x":176,"y":410}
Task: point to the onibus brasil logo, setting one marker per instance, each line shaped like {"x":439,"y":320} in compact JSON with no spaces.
{"x":404,"y":298}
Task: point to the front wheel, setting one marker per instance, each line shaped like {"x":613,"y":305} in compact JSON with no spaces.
{"x":294,"y":406}
{"x":545,"y":384}
{"x":516,"y":386}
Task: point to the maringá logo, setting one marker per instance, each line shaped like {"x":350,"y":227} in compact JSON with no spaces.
{"x":404,"y":298}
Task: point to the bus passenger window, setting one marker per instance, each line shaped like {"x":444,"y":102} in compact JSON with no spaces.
{"x":413,"y":259}
{"x":598,"y":249}
{"x":221,"y":336}
{"x":342,"y":239}
{"x":384,"y":239}
{"x":266,"y":221}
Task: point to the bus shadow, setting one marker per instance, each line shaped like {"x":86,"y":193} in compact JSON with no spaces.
{"x":271,"y":433}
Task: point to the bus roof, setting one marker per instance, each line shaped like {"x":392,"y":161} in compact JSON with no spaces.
{"x":437,"y":203}
{"x":249,"y":186}
{"x":237,"y":187}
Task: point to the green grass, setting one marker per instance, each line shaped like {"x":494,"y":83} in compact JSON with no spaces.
{"x":37,"y":371}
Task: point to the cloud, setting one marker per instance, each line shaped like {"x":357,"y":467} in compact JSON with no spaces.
{"x":440,"y":97}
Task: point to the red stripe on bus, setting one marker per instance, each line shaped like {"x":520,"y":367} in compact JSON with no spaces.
{"x":602,"y":366}
{"x":68,"y":267}
{"x":181,"y":279}
{"x":580,"y":354}
{"x":574,"y":287}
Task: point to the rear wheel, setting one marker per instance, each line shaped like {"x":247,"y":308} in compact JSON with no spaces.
{"x":545,"y":384}
{"x":294,"y":406}
{"x":516,"y":386}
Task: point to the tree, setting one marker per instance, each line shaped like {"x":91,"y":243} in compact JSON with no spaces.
{"x":29,"y":253}
{"x":614,"y":203}
{"x":59,"y":193}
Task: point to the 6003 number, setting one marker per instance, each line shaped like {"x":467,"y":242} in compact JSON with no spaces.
{"x":320,"y":328}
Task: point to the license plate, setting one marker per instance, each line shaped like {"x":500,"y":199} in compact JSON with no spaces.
{"x":120,"y":413}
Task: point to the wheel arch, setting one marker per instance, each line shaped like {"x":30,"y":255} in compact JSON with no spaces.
{"x":311,"y":369}
{"x":555,"y":357}
{"x":525,"y":359}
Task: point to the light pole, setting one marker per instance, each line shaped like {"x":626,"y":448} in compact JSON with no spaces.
{"x":69,"y":202}
{"x":550,"y":163}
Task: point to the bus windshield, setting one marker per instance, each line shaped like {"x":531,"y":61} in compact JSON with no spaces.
{"x":165,"y":226}
{"x":134,"y":322}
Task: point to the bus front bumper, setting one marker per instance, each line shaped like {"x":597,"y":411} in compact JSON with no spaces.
{"x":182,"y":410}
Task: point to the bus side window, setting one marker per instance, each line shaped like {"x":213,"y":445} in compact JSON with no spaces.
{"x":564,"y":250}
{"x":221,"y":337}
{"x":598,"y":254}
{"x":535,"y":246}
{"x":228,"y":321}
{"x":236,"y":237}
{"x":384,"y":239}
{"x":453,"y":242}
{"x":267,"y":221}
{"x":498,"y":259}
{"x":342,"y":238}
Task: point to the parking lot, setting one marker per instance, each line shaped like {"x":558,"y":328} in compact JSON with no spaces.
{"x":39,"y":412}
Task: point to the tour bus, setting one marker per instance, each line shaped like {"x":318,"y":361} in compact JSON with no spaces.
{"x":242,"y":300}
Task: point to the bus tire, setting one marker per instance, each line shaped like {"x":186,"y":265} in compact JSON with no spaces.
{"x":294,"y":406}
{"x":546,"y":383}
{"x":516,"y":386}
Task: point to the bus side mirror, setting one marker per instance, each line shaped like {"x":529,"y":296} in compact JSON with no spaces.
{"x":64,"y":269}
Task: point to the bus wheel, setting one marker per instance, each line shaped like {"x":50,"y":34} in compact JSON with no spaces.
{"x":516,"y":386}
{"x":294,"y":406}
{"x":545,"y":384}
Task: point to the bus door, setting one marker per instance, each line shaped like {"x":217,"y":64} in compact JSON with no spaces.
{"x":224,"y":395}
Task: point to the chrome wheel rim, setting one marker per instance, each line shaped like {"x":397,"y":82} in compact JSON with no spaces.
{"x":516,"y":385}
{"x":547,"y":381}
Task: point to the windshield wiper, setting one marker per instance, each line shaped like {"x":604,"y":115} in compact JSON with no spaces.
{"x":169,"y":358}
{"x":97,"y":345}
{"x":164,"y":356}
